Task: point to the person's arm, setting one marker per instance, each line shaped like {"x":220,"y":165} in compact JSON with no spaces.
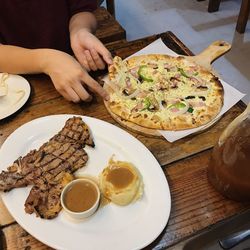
{"x":89,"y":50}
{"x":17,"y":60}
{"x":65,"y":72}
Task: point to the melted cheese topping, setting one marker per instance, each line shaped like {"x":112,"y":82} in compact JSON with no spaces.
{"x":169,"y":83}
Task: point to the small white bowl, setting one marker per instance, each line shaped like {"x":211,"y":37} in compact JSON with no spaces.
{"x":86,"y":213}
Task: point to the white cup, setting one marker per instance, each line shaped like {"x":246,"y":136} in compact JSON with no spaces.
{"x":86,"y":213}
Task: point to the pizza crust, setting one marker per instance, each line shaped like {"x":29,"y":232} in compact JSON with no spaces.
{"x":121,"y":106}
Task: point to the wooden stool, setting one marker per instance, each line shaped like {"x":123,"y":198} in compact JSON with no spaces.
{"x":110,"y":6}
{"x":214,"y":5}
{"x":109,"y":30}
{"x":243,"y":16}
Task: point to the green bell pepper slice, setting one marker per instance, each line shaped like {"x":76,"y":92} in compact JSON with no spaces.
{"x":183,"y":73}
{"x":179,"y":105}
{"x":144,"y":74}
{"x":147,"y":103}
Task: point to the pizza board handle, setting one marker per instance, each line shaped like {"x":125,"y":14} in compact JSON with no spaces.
{"x":210,"y":54}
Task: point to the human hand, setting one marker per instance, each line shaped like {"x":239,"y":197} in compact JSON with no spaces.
{"x":69,"y":78}
{"x":89,"y":50}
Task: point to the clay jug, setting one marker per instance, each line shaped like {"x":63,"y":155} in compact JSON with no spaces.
{"x":229,"y":166}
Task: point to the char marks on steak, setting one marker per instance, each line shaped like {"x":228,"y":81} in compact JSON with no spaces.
{"x":44,"y":197}
{"x":49,"y":168}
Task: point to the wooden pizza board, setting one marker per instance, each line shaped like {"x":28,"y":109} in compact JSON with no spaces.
{"x":204,"y":59}
{"x":210,"y":54}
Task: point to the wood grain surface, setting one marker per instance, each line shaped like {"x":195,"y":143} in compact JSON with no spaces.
{"x":109,"y":29}
{"x":5,"y":216}
{"x":195,"y":205}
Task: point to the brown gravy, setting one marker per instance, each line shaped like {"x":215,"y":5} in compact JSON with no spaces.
{"x":120,"y":177}
{"x":80,"y":197}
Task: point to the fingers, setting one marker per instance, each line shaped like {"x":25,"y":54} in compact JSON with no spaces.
{"x":70,"y":95}
{"x":82,"y":60}
{"x":106,"y":55}
{"x":82,"y":93}
{"x":95,"y":86}
{"x":74,"y":97}
{"x":97,"y":59}
{"x":76,"y":92}
{"x":94,"y":60}
{"x":91,"y":62}
{"x":73,"y":91}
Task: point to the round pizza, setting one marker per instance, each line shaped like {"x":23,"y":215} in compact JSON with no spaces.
{"x":163,"y":92}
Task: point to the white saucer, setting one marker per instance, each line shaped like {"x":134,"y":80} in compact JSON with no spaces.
{"x":17,"y":96}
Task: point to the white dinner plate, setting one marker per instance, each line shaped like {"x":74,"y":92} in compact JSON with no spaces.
{"x":18,"y":94}
{"x":111,"y":227}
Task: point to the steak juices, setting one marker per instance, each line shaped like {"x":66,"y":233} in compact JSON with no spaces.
{"x":229,"y":167}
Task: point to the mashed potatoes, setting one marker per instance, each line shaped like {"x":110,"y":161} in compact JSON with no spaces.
{"x":121,"y":182}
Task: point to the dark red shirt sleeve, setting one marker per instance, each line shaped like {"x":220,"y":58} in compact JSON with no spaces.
{"x":76,"y":6}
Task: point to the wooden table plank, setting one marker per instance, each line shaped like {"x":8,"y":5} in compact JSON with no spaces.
{"x":125,"y":49}
{"x":109,"y":29}
{"x":195,"y":203}
{"x":5,"y":216}
{"x":16,"y":238}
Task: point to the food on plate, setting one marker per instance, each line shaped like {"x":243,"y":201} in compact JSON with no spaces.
{"x":44,"y":197}
{"x":3,"y":84}
{"x":121,"y":182}
{"x":80,"y":198}
{"x":9,"y":96}
{"x":163,"y":92}
{"x":10,"y":100}
{"x":49,"y":168}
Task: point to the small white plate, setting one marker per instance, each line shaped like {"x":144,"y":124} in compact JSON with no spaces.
{"x":18,"y":94}
{"x":111,"y":227}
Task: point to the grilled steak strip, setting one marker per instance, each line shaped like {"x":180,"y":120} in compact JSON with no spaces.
{"x":46,"y":167}
{"x":75,"y":130}
{"x":44,"y":197}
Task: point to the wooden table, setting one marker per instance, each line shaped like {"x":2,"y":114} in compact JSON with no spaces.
{"x":196,"y":206}
{"x":109,"y":29}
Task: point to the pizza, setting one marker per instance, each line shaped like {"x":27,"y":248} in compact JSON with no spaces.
{"x":163,"y":92}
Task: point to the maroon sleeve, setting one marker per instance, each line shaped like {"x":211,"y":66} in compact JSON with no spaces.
{"x":77,"y":6}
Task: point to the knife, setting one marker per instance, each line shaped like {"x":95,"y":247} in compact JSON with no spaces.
{"x":234,"y":239}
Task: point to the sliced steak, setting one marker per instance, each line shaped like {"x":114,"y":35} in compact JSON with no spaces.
{"x":75,"y":130}
{"x":46,"y":167}
{"x":44,"y":197}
